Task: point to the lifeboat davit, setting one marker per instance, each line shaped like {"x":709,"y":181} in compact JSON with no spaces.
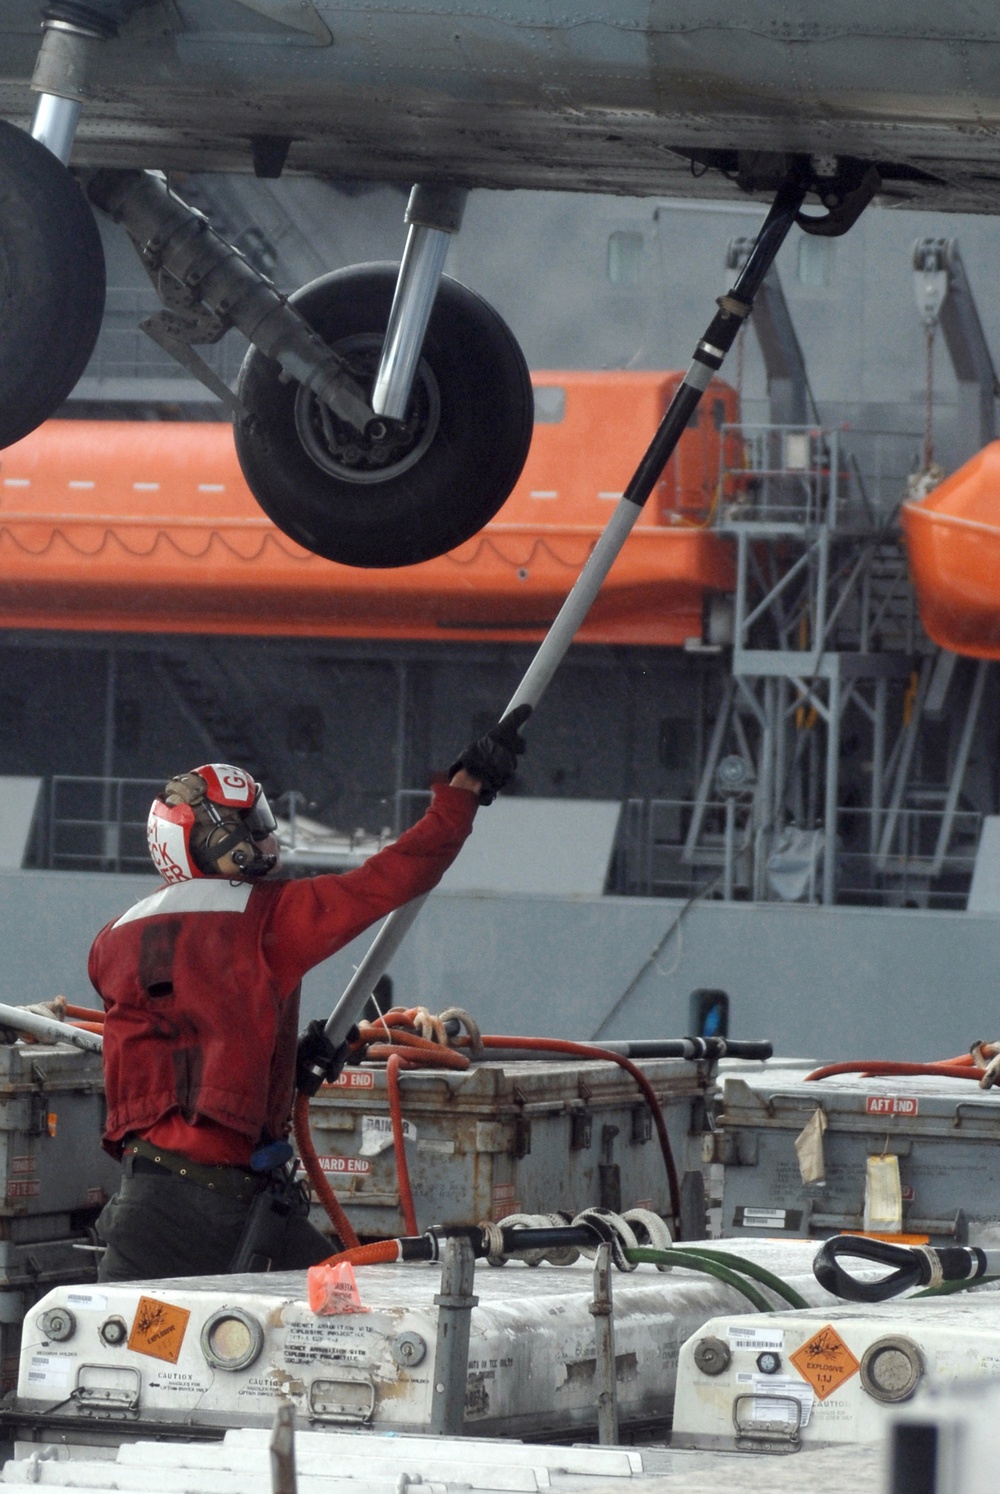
{"x":953,"y":539}
{"x":142,"y":526}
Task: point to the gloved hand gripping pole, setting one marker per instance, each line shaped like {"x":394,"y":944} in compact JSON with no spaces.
{"x":708,"y":358}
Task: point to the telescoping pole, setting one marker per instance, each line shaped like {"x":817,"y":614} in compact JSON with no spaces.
{"x":708,"y":358}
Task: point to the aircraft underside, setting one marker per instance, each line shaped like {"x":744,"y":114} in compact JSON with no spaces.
{"x":383,"y":415}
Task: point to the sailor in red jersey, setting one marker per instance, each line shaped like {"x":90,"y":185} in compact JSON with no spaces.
{"x":200,"y":984}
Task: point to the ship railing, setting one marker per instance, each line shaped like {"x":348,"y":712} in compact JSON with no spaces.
{"x":654,"y":858}
{"x":98,"y":824}
{"x":807,"y":475}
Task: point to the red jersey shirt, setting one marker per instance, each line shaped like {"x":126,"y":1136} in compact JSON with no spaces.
{"x":200,"y":984}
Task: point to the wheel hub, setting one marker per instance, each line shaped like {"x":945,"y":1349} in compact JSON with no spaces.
{"x":385,"y":448}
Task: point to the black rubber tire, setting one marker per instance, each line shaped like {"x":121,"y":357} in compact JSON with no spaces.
{"x":51,"y":283}
{"x":463,"y":477}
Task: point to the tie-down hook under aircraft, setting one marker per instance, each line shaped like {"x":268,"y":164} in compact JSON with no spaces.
{"x":383,"y":413}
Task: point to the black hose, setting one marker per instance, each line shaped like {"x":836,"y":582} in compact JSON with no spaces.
{"x":913,"y":1268}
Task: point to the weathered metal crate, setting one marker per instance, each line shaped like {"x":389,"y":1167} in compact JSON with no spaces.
{"x":945,"y":1134}
{"x":54,"y":1178}
{"x":512,"y":1137}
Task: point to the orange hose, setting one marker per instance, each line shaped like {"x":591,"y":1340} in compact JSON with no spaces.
{"x":585,"y":1050}
{"x":428,"y":1054}
{"x":392,"y":1068}
{"x":883,"y":1068}
{"x":381,"y":1253}
{"x":315,"y":1174}
{"x":86,"y":1013}
{"x":97,"y":1027}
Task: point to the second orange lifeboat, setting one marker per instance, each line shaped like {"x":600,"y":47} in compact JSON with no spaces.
{"x":953,"y":539}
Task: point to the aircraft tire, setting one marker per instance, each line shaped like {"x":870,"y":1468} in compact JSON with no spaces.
{"x":446,"y":471}
{"x":52,"y":283}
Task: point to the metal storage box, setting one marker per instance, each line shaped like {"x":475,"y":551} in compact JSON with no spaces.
{"x":841,"y":1373}
{"x":945,"y":1134}
{"x":136,"y":1359}
{"x":55,"y":1177}
{"x":512,"y":1137}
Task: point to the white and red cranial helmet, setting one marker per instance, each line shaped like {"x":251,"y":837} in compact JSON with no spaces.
{"x":208,"y":813}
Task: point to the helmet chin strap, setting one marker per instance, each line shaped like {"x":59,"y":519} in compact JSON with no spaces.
{"x":253,"y":866}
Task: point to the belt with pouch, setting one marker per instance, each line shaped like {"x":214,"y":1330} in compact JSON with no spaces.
{"x":141,"y":1158}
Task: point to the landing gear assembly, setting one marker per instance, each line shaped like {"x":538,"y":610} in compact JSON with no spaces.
{"x":382,"y":416}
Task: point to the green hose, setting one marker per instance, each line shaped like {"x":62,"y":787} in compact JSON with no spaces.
{"x":759,"y":1273}
{"x":692,"y":1262}
{"x":948,"y":1288}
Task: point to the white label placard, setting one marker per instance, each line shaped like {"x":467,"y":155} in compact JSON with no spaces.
{"x":47,"y":1371}
{"x":746,"y":1337}
{"x":780,"y":1388}
{"x":92,"y":1300}
{"x":376,"y":1134}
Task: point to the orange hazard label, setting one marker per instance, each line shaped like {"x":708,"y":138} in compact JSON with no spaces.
{"x":158,"y":1329}
{"x":825,"y":1361}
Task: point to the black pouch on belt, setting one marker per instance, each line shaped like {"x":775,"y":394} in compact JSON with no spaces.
{"x":264,"y":1232}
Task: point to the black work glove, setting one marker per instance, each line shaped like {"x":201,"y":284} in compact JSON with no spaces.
{"x":493,"y":758}
{"x":317,"y":1060}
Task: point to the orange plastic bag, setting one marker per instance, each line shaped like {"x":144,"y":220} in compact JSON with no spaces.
{"x":333,"y":1289}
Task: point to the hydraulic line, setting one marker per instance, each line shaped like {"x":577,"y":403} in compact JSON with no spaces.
{"x":758,"y":1273}
{"x":705,"y":1265}
{"x":914,"y":1266}
{"x":393,"y":1065}
{"x":315,"y":1174}
{"x":882,"y":1068}
{"x":590,"y":1229}
{"x":949,"y":1288}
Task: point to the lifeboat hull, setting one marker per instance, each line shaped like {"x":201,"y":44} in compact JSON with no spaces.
{"x":149,"y":527}
{"x":953,"y":541}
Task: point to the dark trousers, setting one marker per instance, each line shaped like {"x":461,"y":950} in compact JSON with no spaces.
{"x":157,"y":1226}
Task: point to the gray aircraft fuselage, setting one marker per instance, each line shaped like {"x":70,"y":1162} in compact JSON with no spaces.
{"x":590,"y":97}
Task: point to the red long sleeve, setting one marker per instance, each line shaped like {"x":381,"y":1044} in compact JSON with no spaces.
{"x":314,"y":917}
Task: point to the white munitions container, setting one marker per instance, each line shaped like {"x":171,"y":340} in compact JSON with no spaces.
{"x":198,"y":1354}
{"x":788,"y":1380}
{"x":363,"y":1463}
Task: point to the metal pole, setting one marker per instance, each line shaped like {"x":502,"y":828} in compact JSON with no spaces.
{"x":707,"y":360}
{"x":455,"y":1302}
{"x":48,"y":1029}
{"x":109,"y":832}
{"x":283,"y":1479}
{"x":832,"y":784}
{"x":878,"y":763}
{"x":958,"y":769}
{"x":602,"y":1308}
{"x":729,"y":848}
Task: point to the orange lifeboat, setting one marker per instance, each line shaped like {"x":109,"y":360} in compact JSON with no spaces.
{"x":150,"y":527}
{"x":953,"y":539}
